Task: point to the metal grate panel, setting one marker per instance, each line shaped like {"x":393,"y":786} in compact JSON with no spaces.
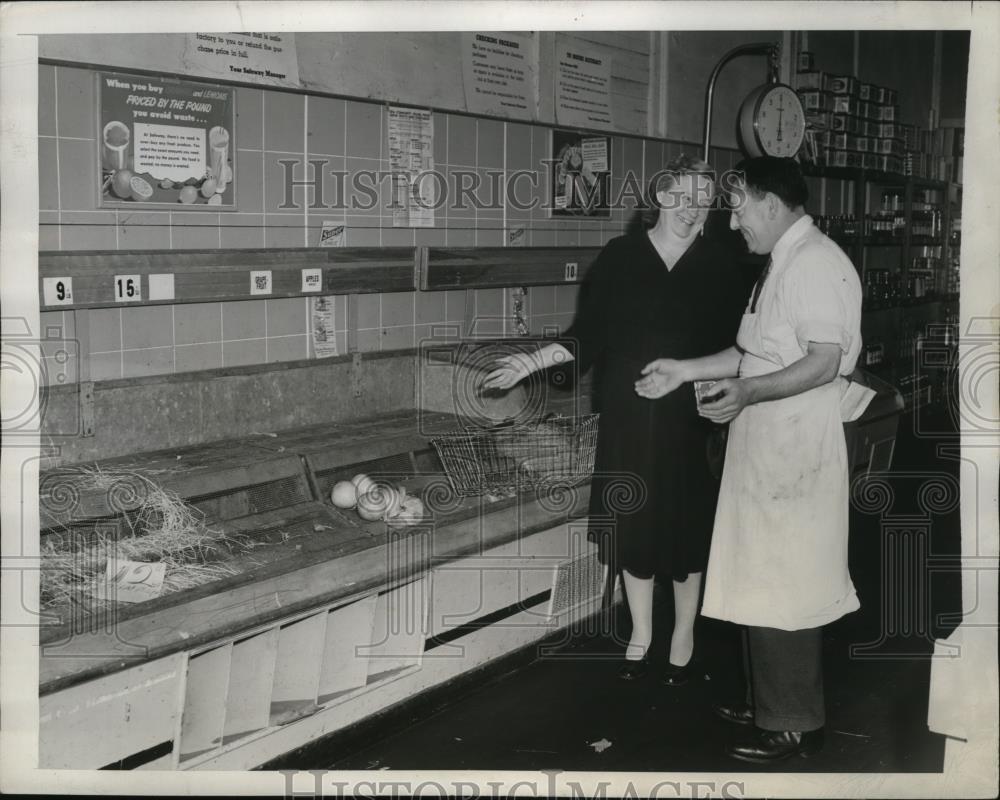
{"x":255,"y":499}
{"x":576,"y":582}
{"x":276,"y":494}
{"x":399,"y":467}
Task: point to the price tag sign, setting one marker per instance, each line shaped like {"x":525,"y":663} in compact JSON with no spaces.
{"x":131,"y":581}
{"x":161,"y":287}
{"x":312,"y":280}
{"x":128,"y":288}
{"x":260,"y":281}
{"x":57,"y":291}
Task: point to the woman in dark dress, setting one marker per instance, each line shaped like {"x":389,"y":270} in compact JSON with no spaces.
{"x":666,"y":290}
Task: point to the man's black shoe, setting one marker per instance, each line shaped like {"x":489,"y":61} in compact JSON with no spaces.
{"x":739,"y":713}
{"x":770,"y":746}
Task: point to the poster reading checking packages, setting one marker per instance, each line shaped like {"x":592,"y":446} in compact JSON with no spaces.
{"x":498,"y":73}
{"x":165,"y":142}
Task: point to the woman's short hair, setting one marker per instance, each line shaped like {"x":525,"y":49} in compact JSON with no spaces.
{"x":667,"y":177}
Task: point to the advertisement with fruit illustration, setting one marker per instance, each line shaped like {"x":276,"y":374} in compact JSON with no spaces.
{"x":165,"y":142}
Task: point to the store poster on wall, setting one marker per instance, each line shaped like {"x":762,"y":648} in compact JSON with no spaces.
{"x":323,"y":318}
{"x":498,"y":74}
{"x":265,"y":58}
{"x":165,"y":142}
{"x":581,"y":175}
{"x":411,"y":155}
{"x":583,"y":87}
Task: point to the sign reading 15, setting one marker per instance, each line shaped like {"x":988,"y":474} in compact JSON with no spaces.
{"x":128,"y":288}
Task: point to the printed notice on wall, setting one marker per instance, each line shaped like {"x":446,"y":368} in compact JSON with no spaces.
{"x":498,"y":73}
{"x":581,"y":175}
{"x":176,"y":152}
{"x":411,"y":157}
{"x":165,"y":142}
{"x":583,"y":88}
{"x":268,"y":58}
{"x":323,"y":323}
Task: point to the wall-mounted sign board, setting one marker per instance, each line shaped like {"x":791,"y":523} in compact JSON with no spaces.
{"x":265,"y":58}
{"x":583,"y":85}
{"x":581,"y":175}
{"x":485,"y":267}
{"x":165,"y":143}
{"x":95,"y":278}
{"x":499,"y":74}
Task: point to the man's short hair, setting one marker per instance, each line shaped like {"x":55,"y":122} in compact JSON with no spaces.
{"x":782,"y":177}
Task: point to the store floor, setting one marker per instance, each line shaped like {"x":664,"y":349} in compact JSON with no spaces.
{"x":572,"y":713}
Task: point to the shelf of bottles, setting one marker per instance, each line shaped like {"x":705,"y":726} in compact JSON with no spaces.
{"x":904,"y":238}
{"x":951,"y":267}
{"x":898,"y":356}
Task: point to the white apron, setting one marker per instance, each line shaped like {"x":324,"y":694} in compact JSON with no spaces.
{"x":779,"y":547}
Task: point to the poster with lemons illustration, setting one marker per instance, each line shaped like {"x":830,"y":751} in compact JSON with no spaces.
{"x":165,"y":143}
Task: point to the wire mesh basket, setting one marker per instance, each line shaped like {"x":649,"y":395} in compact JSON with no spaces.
{"x":508,"y":457}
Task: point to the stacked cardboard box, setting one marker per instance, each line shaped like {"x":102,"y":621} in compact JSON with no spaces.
{"x":939,"y":153}
{"x":854,"y":124}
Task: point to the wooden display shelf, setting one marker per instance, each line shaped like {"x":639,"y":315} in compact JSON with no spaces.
{"x":214,"y":275}
{"x":488,"y":267}
{"x":307,"y":552}
{"x":343,"y":559}
{"x":193,"y":471}
{"x":874,"y":242}
{"x":871,"y":176}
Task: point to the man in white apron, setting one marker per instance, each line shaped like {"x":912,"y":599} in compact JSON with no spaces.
{"x":778,"y":561}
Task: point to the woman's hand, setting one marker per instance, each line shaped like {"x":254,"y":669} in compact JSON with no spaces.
{"x":731,"y":396}
{"x":661,"y":377}
{"x":508,"y":371}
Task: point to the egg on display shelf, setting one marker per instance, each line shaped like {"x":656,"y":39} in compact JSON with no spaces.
{"x":344,"y":494}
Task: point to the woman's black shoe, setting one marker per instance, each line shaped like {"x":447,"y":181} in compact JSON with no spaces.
{"x":678,"y":676}
{"x":633,"y":670}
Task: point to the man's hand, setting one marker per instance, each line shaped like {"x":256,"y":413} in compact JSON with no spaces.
{"x":661,"y":377}
{"x":731,"y":395}
{"x":509,"y":371}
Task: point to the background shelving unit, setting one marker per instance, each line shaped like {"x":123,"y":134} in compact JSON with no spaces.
{"x":906,"y":251}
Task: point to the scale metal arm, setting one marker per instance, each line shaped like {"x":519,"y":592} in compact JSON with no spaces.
{"x":770,"y":49}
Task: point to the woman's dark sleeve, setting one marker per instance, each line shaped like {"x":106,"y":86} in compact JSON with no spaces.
{"x":586,"y":337}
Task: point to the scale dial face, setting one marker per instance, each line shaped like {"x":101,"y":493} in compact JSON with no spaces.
{"x":772,"y":121}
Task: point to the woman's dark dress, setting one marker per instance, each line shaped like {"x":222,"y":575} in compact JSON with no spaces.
{"x":653,"y":494}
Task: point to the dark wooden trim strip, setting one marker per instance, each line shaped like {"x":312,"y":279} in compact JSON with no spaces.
{"x":215,"y":275}
{"x":487,"y":267}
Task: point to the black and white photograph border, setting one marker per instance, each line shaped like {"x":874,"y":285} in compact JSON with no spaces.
{"x":963,"y":692}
